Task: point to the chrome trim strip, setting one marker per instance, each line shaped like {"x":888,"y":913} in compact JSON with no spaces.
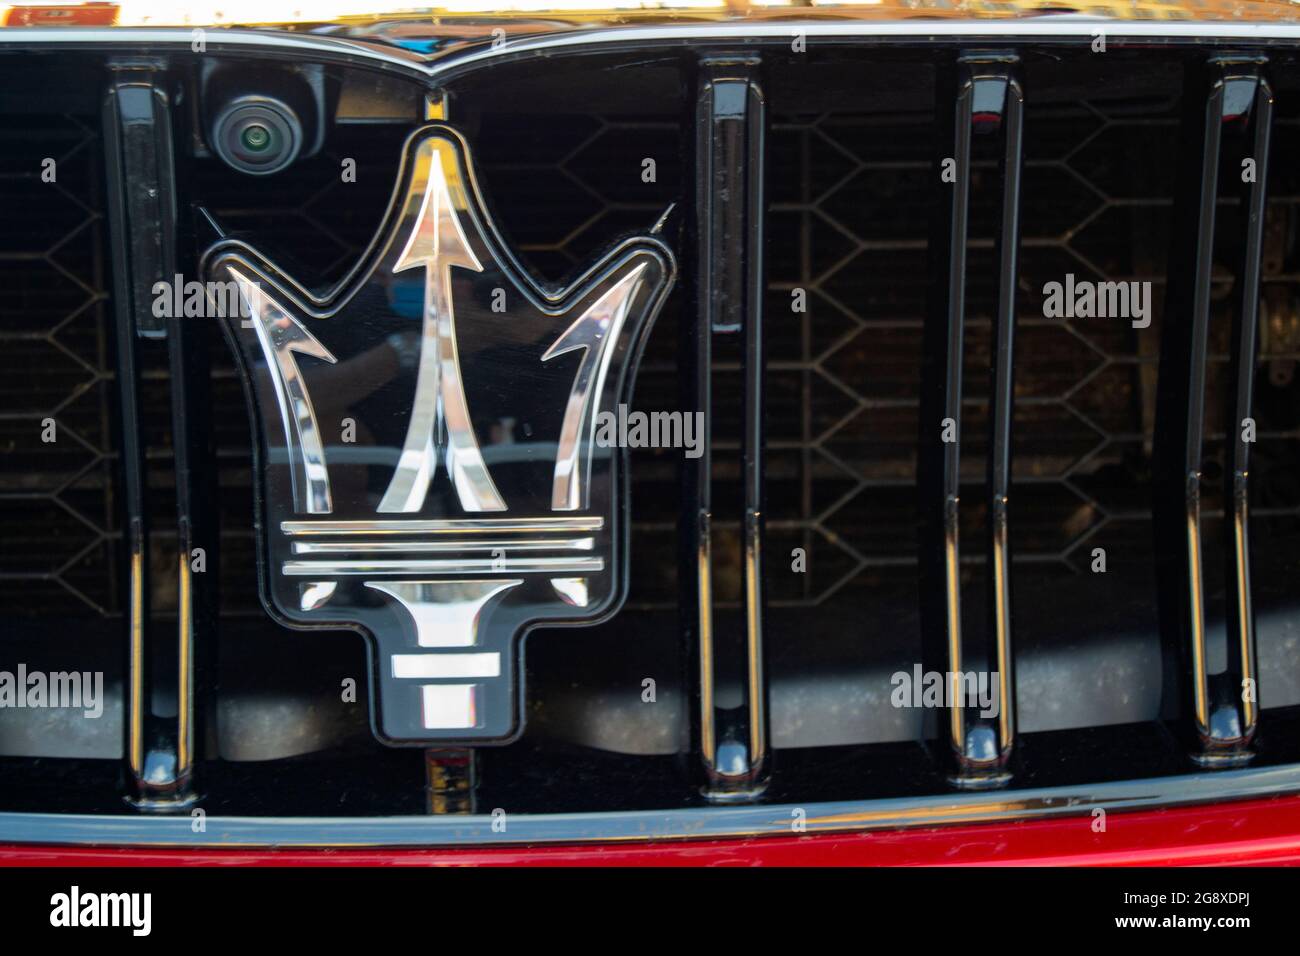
{"x":184,"y":664}
{"x":220,"y":39}
{"x":729,"y":821}
{"x":1046,"y":27}
{"x":439,"y":547}
{"x":217,"y":40}
{"x":136,"y":619}
{"x":445,"y":526}
{"x":446,"y":566}
{"x":1053,"y":26}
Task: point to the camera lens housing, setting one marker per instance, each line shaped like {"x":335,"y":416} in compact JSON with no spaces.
{"x":257,"y":135}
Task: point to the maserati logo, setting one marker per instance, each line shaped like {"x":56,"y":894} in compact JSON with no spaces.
{"x":427,"y":464}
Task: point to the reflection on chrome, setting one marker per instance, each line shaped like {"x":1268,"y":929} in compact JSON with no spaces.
{"x":445,"y":613}
{"x":445,"y":526}
{"x":441,"y":547}
{"x":573,"y":591}
{"x":596,"y":332}
{"x":280,"y":335}
{"x":443,"y":666}
{"x":445,"y":566}
{"x":449,"y":706}
{"x":316,"y":594}
{"x":436,"y":244}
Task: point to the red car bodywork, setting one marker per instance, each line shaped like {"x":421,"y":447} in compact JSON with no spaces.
{"x":1258,"y":832}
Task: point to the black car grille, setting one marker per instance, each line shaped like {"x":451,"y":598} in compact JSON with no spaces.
{"x":59,"y":510}
{"x":852,"y":198}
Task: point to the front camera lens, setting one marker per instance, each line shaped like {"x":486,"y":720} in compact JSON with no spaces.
{"x":257,"y":135}
{"x":256,"y":138}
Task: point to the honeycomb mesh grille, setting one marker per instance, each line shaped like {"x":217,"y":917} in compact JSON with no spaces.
{"x":847,"y":230}
{"x":849,"y":202}
{"x":57,"y":497}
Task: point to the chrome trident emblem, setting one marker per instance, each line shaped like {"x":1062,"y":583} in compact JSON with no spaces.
{"x":439,"y":350}
{"x":436,"y":244}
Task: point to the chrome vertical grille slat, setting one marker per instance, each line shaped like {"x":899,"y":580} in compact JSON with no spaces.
{"x":730,"y":120}
{"x":160,"y":747}
{"x":985,"y":97}
{"x":1226,"y":136}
